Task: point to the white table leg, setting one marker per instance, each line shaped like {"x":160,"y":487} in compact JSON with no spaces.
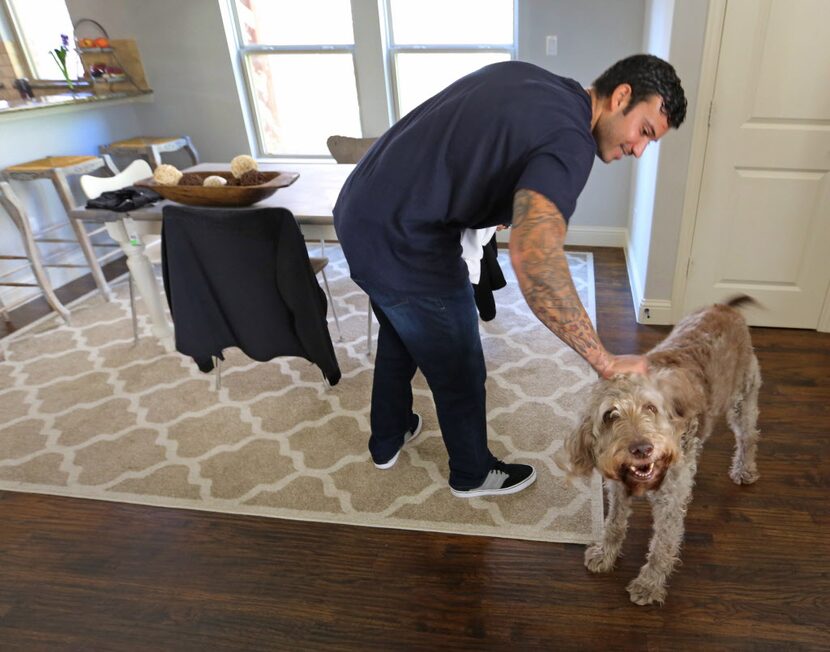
{"x":145,"y":280}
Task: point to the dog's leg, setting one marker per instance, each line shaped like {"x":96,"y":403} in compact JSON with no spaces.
{"x":668,"y":506}
{"x":743,"y":420}
{"x":601,"y":557}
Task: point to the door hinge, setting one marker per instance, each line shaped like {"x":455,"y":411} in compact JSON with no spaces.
{"x":709,"y":117}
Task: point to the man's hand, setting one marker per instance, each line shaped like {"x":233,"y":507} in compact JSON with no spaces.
{"x":623,"y":364}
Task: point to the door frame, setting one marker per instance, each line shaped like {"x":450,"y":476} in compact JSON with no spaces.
{"x":715,"y":17}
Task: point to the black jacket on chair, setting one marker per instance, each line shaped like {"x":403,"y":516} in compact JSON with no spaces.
{"x":241,"y":277}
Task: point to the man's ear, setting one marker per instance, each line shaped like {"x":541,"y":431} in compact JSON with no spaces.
{"x":620,"y":97}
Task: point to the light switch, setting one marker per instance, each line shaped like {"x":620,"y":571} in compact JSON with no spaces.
{"x":550,"y":46}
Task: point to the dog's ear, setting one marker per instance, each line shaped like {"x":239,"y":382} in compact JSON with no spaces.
{"x":579,"y":449}
{"x":682,"y":396}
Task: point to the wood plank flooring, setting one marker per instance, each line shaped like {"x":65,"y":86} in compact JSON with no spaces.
{"x":86,"y":575}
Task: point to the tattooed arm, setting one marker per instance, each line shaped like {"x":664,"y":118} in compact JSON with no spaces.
{"x":538,"y":257}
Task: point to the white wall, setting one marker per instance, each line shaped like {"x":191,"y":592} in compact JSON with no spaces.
{"x":659,"y":15}
{"x":685,"y":51}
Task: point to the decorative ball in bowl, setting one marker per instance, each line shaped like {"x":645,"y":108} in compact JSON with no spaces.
{"x":231,"y":194}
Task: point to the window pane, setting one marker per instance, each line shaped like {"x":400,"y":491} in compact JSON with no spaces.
{"x":422,"y":75}
{"x":462,"y":22}
{"x":41,"y":24}
{"x":302,"y":99}
{"x":289,"y":22}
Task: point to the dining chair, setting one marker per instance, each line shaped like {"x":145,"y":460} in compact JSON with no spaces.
{"x":243,"y":278}
{"x":94,"y":186}
{"x":346,"y":149}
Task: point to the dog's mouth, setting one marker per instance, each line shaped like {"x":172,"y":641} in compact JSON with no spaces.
{"x":639,"y":472}
{"x":642,"y":476}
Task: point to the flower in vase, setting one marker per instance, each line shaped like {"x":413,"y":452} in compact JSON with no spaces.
{"x":59,"y":55}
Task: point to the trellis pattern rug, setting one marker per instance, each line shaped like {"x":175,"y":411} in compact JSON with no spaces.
{"x":85,"y":413}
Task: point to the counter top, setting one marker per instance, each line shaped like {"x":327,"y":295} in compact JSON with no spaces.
{"x":11,"y":109}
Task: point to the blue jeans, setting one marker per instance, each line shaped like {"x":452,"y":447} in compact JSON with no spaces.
{"x":439,"y":335}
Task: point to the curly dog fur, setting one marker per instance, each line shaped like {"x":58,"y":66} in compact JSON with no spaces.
{"x":644,"y":435}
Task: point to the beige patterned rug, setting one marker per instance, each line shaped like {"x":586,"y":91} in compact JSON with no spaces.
{"x":85,"y":413}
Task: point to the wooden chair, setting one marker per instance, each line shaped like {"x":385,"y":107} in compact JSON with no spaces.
{"x":151,"y":148}
{"x":94,"y":186}
{"x":345,"y":149}
{"x":56,"y":169}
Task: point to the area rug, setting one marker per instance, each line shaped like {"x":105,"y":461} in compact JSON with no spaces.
{"x":84,"y":412}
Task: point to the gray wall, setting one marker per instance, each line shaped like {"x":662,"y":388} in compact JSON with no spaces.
{"x":189,"y":65}
{"x":592,"y":35}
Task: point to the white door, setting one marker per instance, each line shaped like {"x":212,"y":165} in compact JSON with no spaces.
{"x":763,"y":219}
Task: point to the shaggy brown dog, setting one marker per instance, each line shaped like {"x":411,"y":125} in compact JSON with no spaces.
{"x":644,"y":434}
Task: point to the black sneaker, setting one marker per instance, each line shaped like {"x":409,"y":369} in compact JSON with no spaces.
{"x":502,"y":479}
{"x":414,"y":431}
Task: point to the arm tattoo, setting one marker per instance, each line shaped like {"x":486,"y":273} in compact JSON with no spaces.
{"x":536,"y":251}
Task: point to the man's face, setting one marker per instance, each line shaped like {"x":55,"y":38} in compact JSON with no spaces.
{"x":621,"y":134}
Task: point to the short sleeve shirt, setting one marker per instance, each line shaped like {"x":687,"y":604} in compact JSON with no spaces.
{"x":455,"y":162}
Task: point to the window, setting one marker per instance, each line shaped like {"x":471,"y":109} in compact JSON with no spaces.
{"x":315,"y":68}
{"x":38,"y":25}
{"x":434,"y":42}
{"x":298,"y":59}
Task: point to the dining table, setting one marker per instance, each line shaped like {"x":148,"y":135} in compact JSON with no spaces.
{"x":310,"y":198}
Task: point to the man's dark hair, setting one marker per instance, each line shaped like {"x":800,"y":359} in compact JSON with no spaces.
{"x":647,"y":75}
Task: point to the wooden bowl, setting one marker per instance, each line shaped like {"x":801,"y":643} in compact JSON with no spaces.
{"x":222,"y":195}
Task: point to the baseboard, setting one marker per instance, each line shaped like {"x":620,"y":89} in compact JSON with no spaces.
{"x":655,"y":312}
{"x":647,"y":311}
{"x":585,"y":236}
{"x":578,"y":236}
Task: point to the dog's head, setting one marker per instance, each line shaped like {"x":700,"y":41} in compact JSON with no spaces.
{"x":631,"y":431}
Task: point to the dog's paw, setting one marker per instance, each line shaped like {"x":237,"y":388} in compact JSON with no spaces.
{"x":597,"y":560}
{"x":644,"y":592}
{"x":746,"y":475}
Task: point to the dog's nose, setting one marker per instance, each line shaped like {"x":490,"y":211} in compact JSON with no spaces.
{"x":640,"y":449}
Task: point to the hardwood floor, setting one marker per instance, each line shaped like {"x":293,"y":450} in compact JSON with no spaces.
{"x":81,"y":574}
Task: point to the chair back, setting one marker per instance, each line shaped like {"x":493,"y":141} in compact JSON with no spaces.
{"x":345,"y":149}
{"x":94,"y":186}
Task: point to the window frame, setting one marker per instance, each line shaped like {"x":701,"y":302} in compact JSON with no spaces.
{"x":373,"y":61}
{"x":24,"y":59}
{"x":245,"y":53}
{"x":392,"y":50}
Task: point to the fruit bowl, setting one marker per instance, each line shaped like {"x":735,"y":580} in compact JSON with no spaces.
{"x":231,"y":196}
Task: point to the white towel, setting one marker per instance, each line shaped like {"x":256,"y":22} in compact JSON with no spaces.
{"x":472,"y":249}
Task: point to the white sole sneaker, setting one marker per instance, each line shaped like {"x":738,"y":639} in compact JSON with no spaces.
{"x":413,"y":435}
{"x":496,"y":491}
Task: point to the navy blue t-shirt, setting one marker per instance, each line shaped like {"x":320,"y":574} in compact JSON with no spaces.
{"x":455,"y":162}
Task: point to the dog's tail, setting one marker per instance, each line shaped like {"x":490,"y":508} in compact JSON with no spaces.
{"x":742,"y":300}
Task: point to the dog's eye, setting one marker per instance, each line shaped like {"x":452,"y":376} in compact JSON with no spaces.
{"x":650,"y":408}
{"x":609,"y":416}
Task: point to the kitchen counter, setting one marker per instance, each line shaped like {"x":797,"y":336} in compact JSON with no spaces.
{"x":63,"y":102}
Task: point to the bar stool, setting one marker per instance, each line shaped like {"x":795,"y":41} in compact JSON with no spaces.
{"x":151,"y":148}
{"x":13,"y":206}
{"x":57,"y":169}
